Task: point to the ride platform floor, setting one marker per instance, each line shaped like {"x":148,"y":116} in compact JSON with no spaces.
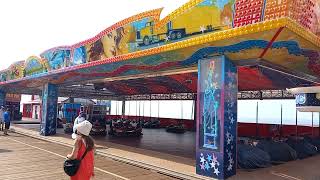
{"x":154,"y":142}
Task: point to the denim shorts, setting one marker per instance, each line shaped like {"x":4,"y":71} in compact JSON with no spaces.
{"x":7,"y":125}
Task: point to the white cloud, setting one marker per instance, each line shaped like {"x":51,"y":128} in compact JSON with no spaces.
{"x":30,"y":27}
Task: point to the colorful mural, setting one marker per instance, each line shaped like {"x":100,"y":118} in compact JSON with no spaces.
{"x":57,"y":59}
{"x":112,"y":44}
{"x":35,"y":65}
{"x":15,"y":71}
{"x":3,"y":76}
{"x":79,"y":56}
{"x":206,"y":16}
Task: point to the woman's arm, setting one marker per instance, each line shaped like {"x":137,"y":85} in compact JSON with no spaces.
{"x":75,"y":149}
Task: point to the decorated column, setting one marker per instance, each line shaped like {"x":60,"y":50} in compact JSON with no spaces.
{"x":2,"y":98}
{"x":216,"y":118}
{"x":49,"y":110}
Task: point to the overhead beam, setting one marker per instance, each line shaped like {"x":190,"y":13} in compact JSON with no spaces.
{"x":141,"y":76}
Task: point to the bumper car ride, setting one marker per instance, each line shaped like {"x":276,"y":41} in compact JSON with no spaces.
{"x":98,"y":131}
{"x":125,"y":128}
{"x":176,"y":129}
{"x":68,"y":129}
{"x":152,"y":125}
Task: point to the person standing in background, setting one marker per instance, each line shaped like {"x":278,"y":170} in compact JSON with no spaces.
{"x":6,"y":119}
{"x":1,"y":118}
{"x":79,"y":119}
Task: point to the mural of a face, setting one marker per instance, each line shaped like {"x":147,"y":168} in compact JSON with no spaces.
{"x":112,"y":42}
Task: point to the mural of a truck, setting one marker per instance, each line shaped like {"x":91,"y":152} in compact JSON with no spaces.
{"x":210,"y":16}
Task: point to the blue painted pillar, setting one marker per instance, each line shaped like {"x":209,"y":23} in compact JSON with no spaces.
{"x":216,"y":118}
{"x":2,"y":98}
{"x":48,"y":124}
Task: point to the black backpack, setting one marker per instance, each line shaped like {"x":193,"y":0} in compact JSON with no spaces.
{"x":71,"y":166}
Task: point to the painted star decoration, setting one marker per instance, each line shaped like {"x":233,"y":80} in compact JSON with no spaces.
{"x":216,"y":171}
{"x":230,"y":160}
{"x":209,"y":157}
{"x":231,"y":75}
{"x":202,"y":29}
{"x":207,"y":166}
{"x":210,"y":162}
{"x":167,"y":38}
{"x":229,"y":111}
{"x":231,"y":104}
{"x":202,"y":160}
{"x":229,"y":138}
{"x":232,"y":120}
{"x":202,"y":166}
{"x":231,"y":85}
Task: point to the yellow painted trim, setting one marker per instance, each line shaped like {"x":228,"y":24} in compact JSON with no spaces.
{"x":303,"y":32}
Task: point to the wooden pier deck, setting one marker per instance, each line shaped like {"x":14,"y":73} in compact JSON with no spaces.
{"x":26,"y":158}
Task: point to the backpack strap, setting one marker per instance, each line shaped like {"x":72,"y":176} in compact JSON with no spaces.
{"x":84,"y":154}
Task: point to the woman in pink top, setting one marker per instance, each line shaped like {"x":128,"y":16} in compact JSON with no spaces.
{"x":82,"y":143}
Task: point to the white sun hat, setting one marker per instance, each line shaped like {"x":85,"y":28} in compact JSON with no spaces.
{"x":83,"y":128}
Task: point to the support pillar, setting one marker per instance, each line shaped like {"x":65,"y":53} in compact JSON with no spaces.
{"x":2,"y":98}
{"x":195,"y":114}
{"x":49,"y":107}
{"x":216,"y":118}
{"x":123,"y":109}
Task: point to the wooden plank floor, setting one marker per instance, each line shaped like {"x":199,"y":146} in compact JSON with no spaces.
{"x":306,"y":169}
{"x":26,"y":158}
